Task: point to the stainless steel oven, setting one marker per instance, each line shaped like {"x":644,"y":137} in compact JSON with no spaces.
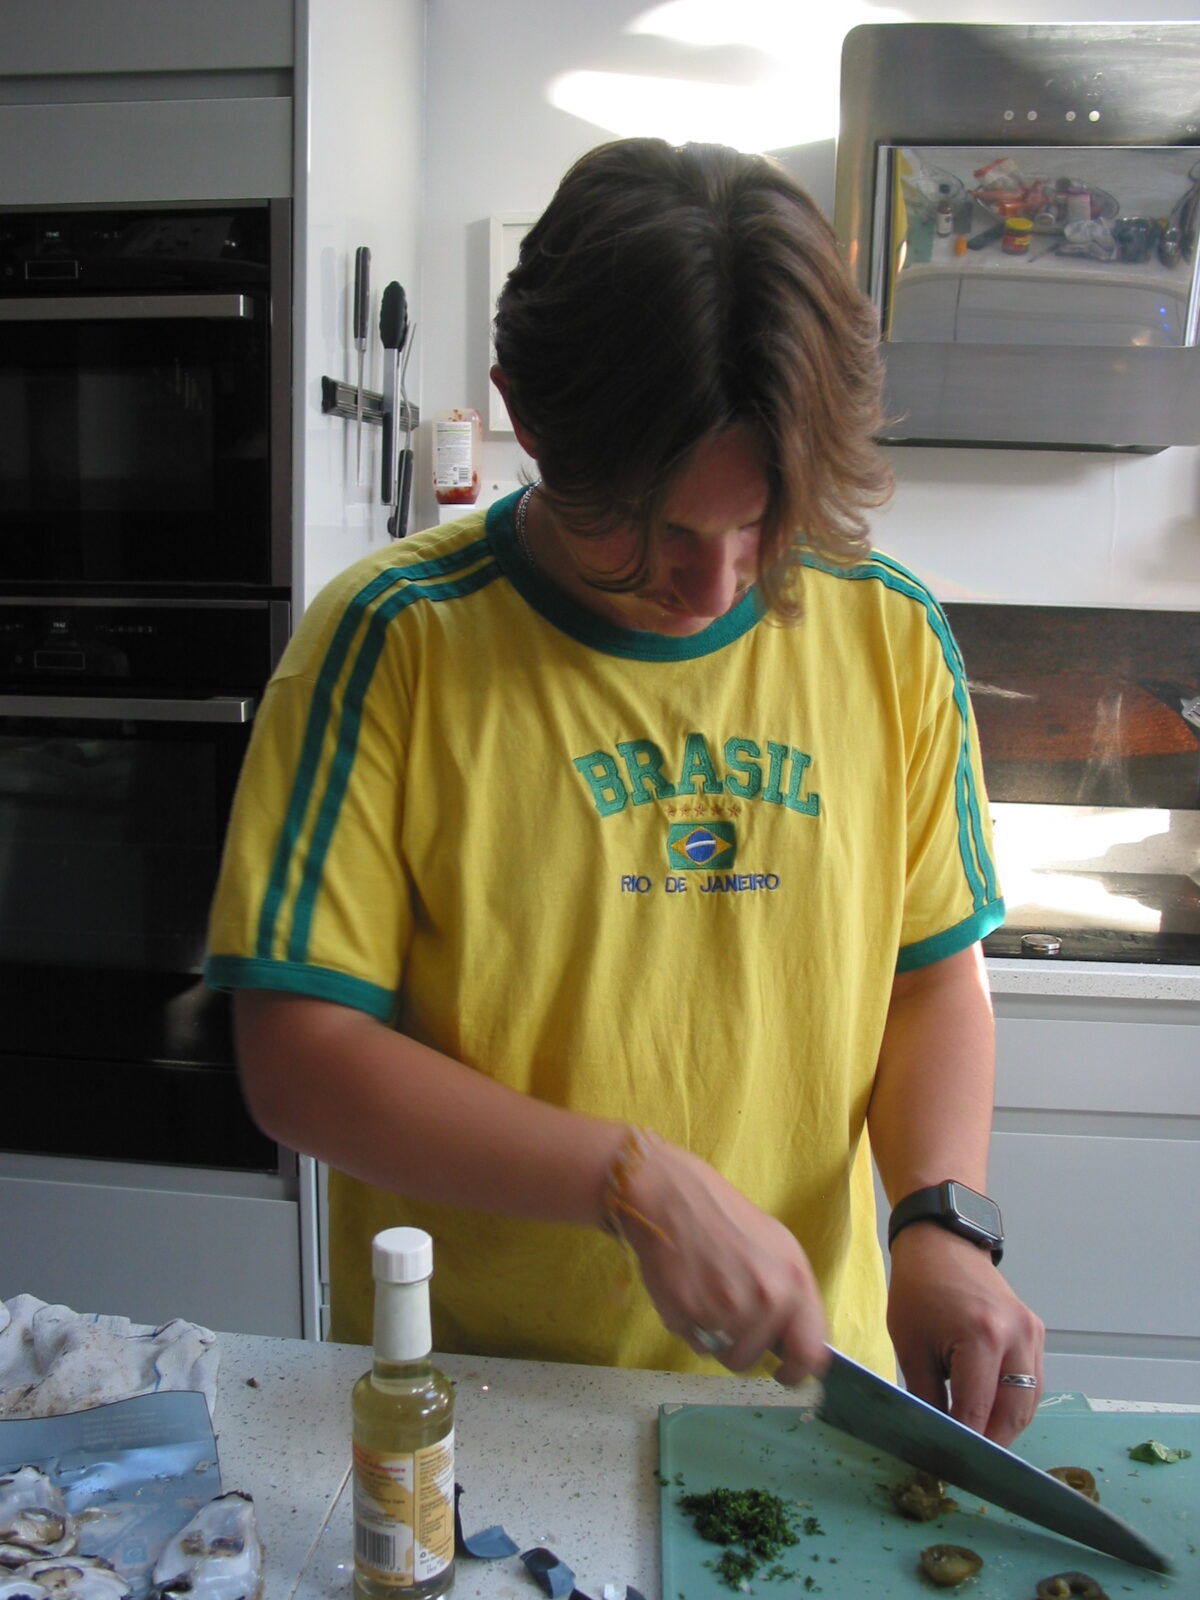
{"x":145,"y":396}
{"x":145,"y":596}
{"x":122,"y":729}
{"x":145,"y":568}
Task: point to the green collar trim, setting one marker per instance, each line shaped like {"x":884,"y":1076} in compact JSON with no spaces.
{"x":569,"y":618}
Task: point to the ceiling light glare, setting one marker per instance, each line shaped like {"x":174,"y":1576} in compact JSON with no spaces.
{"x":793,"y":100}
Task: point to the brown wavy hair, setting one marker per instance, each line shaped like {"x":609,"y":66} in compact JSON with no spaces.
{"x":666,"y":295}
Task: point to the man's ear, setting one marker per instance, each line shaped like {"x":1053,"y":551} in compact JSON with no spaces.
{"x":524,"y":438}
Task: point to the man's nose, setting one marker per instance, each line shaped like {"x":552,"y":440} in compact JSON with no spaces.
{"x":713,"y":574}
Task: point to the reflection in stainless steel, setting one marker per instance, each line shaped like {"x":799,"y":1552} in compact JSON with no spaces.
{"x":130,"y":708}
{"x":1093,"y":774}
{"x":1052,"y":346}
{"x":129,"y":308}
{"x":1114,"y":884}
{"x":1097,"y":280}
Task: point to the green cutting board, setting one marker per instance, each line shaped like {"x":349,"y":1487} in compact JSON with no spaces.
{"x":866,"y":1551}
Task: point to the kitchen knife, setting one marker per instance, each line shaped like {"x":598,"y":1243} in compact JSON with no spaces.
{"x":362,"y":312}
{"x":399,"y":522}
{"x":397,"y":461}
{"x":859,"y":1403}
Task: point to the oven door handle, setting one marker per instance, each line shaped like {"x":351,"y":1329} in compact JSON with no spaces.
{"x":218,"y":708}
{"x":129,"y":308}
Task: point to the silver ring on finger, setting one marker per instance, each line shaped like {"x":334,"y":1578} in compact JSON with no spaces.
{"x":714,"y":1340}
{"x":1018,"y":1380}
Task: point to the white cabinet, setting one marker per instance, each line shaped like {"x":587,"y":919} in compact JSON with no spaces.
{"x":124,"y":152}
{"x":121,"y":101}
{"x":92,"y":38}
{"x":223,"y":1249}
{"x":1096,"y":1167}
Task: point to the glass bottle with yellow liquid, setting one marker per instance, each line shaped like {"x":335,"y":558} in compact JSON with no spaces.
{"x":403,"y":1436}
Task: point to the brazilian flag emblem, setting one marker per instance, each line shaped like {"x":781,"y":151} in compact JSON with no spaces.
{"x":693,"y":846}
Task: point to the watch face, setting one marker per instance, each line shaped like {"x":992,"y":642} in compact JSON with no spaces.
{"x":976,"y":1209}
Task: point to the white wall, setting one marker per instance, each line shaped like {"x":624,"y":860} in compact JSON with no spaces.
{"x":360,"y":89}
{"x":1028,"y":526}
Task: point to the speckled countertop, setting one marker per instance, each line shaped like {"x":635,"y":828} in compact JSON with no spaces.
{"x":1101,"y":980}
{"x":561,"y":1456}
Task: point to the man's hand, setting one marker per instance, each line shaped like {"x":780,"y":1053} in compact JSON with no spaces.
{"x":957,"y":1327}
{"x":712,"y":1261}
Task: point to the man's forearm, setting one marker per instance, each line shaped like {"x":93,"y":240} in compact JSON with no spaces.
{"x":382,"y":1107}
{"x":930,"y":1115}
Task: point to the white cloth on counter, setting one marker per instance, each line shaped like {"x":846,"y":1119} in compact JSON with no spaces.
{"x":54,"y":1360}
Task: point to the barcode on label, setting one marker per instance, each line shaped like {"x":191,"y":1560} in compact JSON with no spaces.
{"x":375,"y":1549}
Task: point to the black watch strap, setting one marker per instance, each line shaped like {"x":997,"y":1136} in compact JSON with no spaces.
{"x":955,"y":1207}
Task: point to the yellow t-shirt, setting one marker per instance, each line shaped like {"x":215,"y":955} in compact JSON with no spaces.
{"x":661,"y":880}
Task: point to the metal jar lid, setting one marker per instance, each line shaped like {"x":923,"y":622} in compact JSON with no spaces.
{"x":1041,"y":944}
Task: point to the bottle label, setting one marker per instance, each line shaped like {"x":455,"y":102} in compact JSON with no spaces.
{"x":453,"y":468}
{"x":404,"y":1513}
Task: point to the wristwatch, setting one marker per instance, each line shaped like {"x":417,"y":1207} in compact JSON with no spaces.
{"x":954,"y":1206}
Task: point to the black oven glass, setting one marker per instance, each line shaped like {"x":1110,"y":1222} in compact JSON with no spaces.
{"x":122,"y":732}
{"x":135,"y":398}
{"x":110,"y":833}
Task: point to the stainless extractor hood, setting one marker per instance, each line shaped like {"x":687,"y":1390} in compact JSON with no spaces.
{"x":1077,"y":327}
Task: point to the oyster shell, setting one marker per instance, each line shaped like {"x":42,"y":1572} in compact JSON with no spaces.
{"x":33,"y":1517}
{"x":217,"y":1556}
{"x":16,"y":1586}
{"x":78,"y":1578}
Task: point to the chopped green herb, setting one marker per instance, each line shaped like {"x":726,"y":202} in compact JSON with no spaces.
{"x":754,"y":1526}
{"x":734,"y":1567}
{"x":1155,"y":1452}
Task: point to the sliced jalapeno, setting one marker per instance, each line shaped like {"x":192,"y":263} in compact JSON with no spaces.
{"x":922,"y":1498}
{"x":1070,"y":1586}
{"x":1077,"y":1478}
{"x":948,"y":1565}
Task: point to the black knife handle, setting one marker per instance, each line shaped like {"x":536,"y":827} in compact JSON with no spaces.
{"x":406,"y":471}
{"x":387,"y":486}
{"x":393,"y":317}
{"x":362,"y":294}
{"x":977,"y":241}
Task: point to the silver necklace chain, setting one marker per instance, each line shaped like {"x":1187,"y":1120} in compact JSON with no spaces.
{"x":520,"y":523}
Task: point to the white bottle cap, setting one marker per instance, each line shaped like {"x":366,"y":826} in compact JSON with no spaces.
{"x":402,"y":1255}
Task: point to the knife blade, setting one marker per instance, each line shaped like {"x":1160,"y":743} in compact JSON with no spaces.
{"x":362,"y":311}
{"x":858,"y":1402}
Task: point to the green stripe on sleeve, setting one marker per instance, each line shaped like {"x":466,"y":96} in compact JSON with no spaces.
{"x":317,"y":983}
{"x":357,"y":684}
{"x":951,"y":940}
{"x":977,"y":864}
{"x":350,"y":628}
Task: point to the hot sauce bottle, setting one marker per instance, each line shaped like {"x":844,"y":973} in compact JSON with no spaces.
{"x":403,"y":1411}
{"x":457,"y":437}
